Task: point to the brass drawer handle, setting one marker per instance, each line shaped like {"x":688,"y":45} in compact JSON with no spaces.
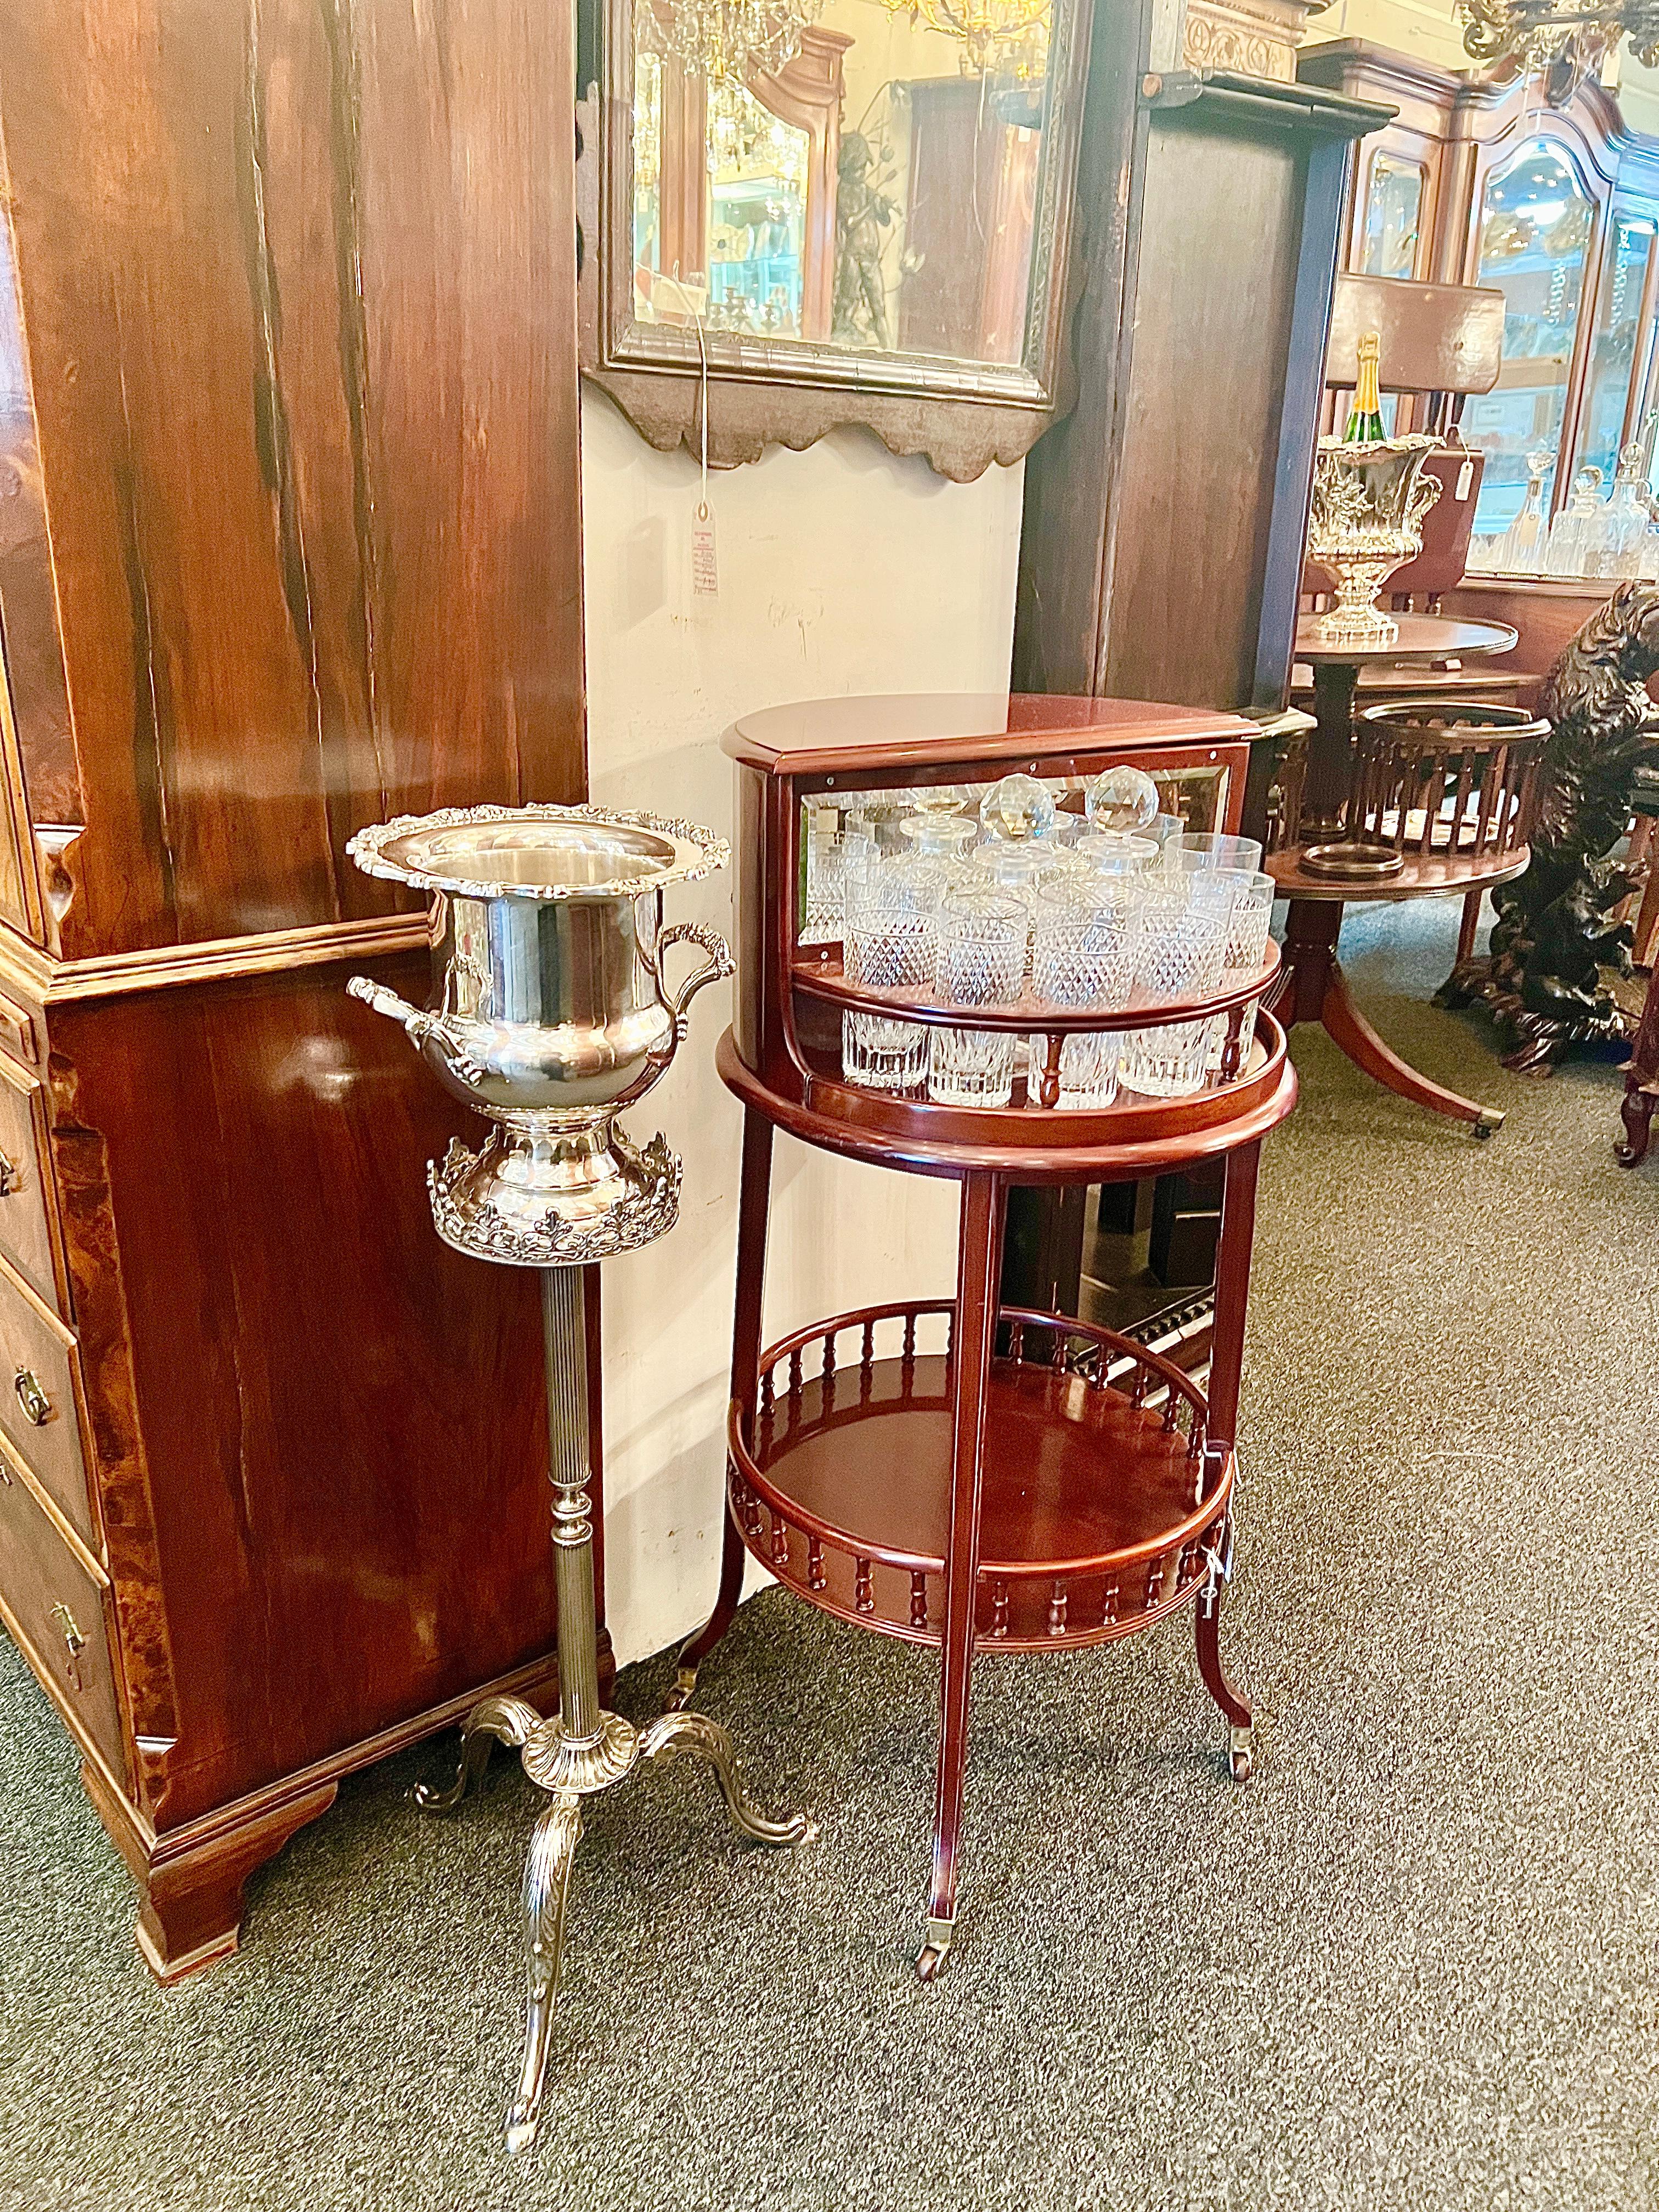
{"x":37,"y":1407}
{"x":72,"y":1635}
{"x":74,"y":1643}
{"x":11,"y":1176}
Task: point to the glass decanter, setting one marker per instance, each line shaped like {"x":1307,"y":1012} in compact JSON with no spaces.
{"x":1575,"y":532}
{"x":1628,"y":514}
{"x":1522,"y":548}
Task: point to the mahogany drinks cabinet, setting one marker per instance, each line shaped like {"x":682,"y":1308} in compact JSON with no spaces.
{"x":962,"y":1471}
{"x":288,"y":507}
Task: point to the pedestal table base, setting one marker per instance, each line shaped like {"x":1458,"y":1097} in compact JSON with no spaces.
{"x":1313,"y":989}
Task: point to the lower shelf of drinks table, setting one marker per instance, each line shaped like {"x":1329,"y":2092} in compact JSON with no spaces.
{"x":1100,"y":1505}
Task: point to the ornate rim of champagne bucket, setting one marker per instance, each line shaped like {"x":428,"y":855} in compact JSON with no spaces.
{"x":1365,"y":521}
{"x":550,"y":1013}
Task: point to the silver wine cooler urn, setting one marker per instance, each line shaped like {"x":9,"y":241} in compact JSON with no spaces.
{"x":551,"y":1013}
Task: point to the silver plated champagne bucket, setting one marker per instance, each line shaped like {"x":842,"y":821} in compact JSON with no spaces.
{"x":551,"y":1013}
{"x":1364,"y":521}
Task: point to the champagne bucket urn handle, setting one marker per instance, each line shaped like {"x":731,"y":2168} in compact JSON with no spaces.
{"x":420,"y":1026}
{"x":718,"y":965}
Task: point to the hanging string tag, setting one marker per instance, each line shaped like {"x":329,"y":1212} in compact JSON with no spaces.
{"x":705,"y":567}
{"x":1465,"y":478}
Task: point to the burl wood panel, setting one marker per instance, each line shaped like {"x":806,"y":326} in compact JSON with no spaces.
{"x":341,"y":1483}
{"x":34,"y":661}
{"x":295,"y":279}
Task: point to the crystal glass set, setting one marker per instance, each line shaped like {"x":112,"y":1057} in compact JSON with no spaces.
{"x":1592,"y":535}
{"x":1028,"y":905}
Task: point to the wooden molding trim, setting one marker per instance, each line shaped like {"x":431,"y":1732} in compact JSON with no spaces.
{"x":537,"y":1680}
{"x":40,"y":977}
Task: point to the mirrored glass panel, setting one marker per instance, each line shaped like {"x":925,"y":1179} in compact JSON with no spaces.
{"x":1536,"y":220}
{"x":867,"y":181}
{"x":1612,"y":348}
{"x":1394,"y":212}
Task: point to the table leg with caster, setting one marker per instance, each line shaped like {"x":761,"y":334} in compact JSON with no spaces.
{"x":754,"y":1202}
{"x":1348,"y":1028}
{"x":1207,"y":1625}
{"x":979,"y":1268}
{"x":1232,"y":1290}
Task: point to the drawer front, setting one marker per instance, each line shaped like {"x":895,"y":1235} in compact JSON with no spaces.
{"x":24,"y":1237}
{"x":38,"y":1404}
{"x":59,"y":1611}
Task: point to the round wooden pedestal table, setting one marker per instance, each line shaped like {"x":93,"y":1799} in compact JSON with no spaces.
{"x":980,"y":1478}
{"x":1312,"y":987}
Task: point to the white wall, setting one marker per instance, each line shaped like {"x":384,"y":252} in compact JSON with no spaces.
{"x":841,"y":570}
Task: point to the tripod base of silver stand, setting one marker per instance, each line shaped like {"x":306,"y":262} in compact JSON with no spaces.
{"x":583,"y":1749}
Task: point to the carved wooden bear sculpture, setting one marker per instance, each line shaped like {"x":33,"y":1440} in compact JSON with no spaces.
{"x":1555,"y":947}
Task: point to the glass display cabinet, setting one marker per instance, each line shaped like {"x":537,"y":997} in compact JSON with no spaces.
{"x":1480,"y":184}
{"x":1537,"y":218}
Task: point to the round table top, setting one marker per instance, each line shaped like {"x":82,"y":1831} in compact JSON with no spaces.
{"x":1430,"y":875}
{"x":1421,"y":637}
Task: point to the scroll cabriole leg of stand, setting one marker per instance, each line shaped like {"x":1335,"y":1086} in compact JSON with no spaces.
{"x":978,"y":1268}
{"x":585,"y":1749}
{"x":1232,"y":1281}
{"x":546,"y":1893}
{"x":753,"y":1203}
{"x":495,"y":1720}
{"x":681,"y":1731}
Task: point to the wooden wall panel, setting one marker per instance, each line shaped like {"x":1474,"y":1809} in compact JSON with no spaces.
{"x":295,"y":278}
{"x":1199,"y":447}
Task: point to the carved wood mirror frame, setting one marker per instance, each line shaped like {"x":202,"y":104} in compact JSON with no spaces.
{"x":961,"y":414}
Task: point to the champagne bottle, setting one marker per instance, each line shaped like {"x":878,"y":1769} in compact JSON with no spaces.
{"x":1365,"y":416}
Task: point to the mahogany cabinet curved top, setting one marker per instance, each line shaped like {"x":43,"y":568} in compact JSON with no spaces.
{"x":978,"y":729}
{"x":785,"y":754}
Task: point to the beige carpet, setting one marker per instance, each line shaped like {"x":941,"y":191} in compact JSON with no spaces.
{"x":1412,"y":1964}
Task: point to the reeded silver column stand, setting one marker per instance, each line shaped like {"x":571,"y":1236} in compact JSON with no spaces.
{"x":550,"y":1014}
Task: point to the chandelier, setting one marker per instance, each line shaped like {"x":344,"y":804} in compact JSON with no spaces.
{"x":998,"y":37}
{"x":1563,"y":41}
{"x":722,"y":39}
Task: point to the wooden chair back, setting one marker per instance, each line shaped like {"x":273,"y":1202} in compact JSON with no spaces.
{"x":1435,"y":337}
{"x":1446,"y":780}
{"x":1438,"y":341}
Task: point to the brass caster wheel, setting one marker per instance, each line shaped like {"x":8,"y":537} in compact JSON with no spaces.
{"x":685,"y":1681}
{"x":1241,"y":1757}
{"x":1490,"y":1124}
{"x":936,"y":1951}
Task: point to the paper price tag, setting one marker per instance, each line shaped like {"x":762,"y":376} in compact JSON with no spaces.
{"x":705,"y":569}
{"x":1465,"y":478}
